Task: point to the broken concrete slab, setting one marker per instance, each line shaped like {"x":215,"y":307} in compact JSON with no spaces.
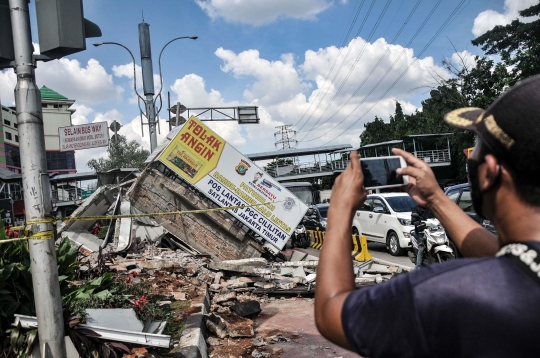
{"x":286,"y":271}
{"x":255,"y":262}
{"x":299,"y":272}
{"x":216,"y":325}
{"x":265,"y":285}
{"x":224,"y":297}
{"x":82,"y":238}
{"x":378,"y":268}
{"x":297,"y":255}
{"x":220,"y":266}
{"x":124,"y":235}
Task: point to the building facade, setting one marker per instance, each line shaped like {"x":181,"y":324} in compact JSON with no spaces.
{"x":56,"y":113}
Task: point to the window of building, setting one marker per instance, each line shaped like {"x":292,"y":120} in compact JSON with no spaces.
{"x":8,"y":136}
{"x":17,"y":138}
{"x":7,"y":123}
{"x":15,"y":125}
{"x":60,"y":160}
{"x":13,"y":156}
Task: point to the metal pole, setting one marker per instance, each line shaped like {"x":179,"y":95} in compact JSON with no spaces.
{"x":148,"y":81}
{"x":37,"y":190}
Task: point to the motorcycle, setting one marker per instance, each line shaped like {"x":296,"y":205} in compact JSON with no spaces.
{"x":437,"y":243}
{"x":301,"y":238}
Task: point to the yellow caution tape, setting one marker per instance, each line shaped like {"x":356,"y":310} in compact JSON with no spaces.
{"x":45,"y":235}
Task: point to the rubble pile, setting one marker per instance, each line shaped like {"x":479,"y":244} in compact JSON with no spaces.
{"x":236,"y":289}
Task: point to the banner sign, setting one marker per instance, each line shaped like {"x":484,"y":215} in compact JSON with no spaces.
{"x":84,"y":136}
{"x":228,"y":178}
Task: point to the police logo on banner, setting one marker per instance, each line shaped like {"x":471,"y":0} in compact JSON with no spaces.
{"x":288,"y":204}
{"x":242,"y":167}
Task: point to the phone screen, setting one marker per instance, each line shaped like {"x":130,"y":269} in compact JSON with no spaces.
{"x":381,"y":172}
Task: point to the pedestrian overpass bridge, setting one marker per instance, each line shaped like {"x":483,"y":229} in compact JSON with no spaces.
{"x":304,"y":163}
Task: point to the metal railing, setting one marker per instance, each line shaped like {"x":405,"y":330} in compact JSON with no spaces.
{"x":284,"y":170}
{"x":71,"y":194}
{"x":434,"y":156}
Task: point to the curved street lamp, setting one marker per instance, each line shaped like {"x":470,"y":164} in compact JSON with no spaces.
{"x":132,"y":59}
{"x":159,"y":59}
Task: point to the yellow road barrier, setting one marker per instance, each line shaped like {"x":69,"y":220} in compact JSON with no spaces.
{"x":359,"y":252}
{"x":317,"y":238}
{"x":360,"y":249}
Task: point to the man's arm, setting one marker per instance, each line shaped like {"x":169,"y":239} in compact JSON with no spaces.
{"x":335,"y":277}
{"x":471,"y":238}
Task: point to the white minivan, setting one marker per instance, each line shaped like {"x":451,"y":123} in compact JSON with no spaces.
{"x":386,"y":218}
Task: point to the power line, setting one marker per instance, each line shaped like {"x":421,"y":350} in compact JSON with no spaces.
{"x":350,"y":47}
{"x":343,"y":42}
{"x":403,"y":73}
{"x":355,"y":62}
{"x":376,"y":66}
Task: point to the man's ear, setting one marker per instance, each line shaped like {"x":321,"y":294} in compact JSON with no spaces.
{"x":489,"y":173}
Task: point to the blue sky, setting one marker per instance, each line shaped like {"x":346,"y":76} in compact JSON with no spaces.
{"x":276,"y":54}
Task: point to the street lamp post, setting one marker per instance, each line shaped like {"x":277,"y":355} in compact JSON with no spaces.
{"x":148,"y":77}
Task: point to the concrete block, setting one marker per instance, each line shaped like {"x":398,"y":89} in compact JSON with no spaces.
{"x":298,"y":256}
{"x":286,"y":271}
{"x":247,"y":308}
{"x":298,"y":272}
{"x":255,"y":262}
{"x":224,"y":297}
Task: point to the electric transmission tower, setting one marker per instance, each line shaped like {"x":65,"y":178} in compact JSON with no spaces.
{"x":285,"y":133}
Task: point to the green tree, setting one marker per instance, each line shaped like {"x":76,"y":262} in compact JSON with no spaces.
{"x":122,"y":154}
{"x":518,"y":44}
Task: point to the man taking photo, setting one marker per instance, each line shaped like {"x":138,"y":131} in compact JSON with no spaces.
{"x":484,"y":306}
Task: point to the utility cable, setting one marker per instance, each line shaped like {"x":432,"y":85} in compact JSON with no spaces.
{"x":350,"y":47}
{"x":417,"y":4}
{"x":343,"y":42}
{"x":355,"y":63}
{"x":402,"y":74}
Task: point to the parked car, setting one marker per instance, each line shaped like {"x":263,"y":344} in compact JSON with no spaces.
{"x":316,"y":216}
{"x":461,"y":195}
{"x":386,"y":218}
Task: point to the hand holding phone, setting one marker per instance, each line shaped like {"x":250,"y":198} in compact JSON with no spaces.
{"x":380,"y":172}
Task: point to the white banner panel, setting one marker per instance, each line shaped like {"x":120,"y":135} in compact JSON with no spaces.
{"x":228,"y":178}
{"x":83,"y":136}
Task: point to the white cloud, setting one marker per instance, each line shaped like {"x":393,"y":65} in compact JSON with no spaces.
{"x":488,"y":19}
{"x":127,"y":71}
{"x":463,"y":59}
{"x":81,"y":114}
{"x":276,"y":81}
{"x":283,"y":91}
{"x":262,"y":12}
{"x":89,"y":84}
{"x":8,"y":80}
{"x":190,"y":91}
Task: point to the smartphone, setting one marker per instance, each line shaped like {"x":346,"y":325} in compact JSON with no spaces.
{"x":380,"y":172}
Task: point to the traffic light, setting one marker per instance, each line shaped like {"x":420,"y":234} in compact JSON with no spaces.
{"x":7,"y":53}
{"x":62,"y":27}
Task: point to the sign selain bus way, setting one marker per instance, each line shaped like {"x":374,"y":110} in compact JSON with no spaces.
{"x":83,"y":136}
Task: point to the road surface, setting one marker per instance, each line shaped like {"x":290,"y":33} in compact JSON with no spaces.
{"x":376,"y":250}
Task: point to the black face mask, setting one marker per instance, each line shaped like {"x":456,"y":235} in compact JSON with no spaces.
{"x":476,"y":194}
